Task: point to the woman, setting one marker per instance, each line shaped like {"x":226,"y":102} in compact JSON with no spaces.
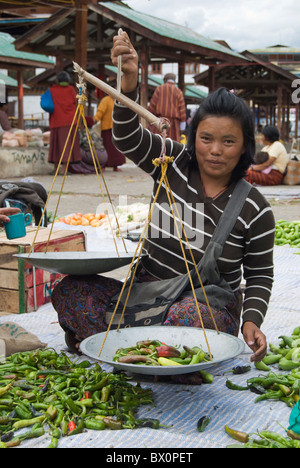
{"x":87,"y":163}
{"x":104,"y":115}
{"x":277,"y":161}
{"x":65,"y":104}
{"x":202,"y":179}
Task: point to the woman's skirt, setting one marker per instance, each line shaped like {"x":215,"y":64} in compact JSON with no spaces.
{"x":259,"y":178}
{"x":81,"y":304}
{"x":86,"y":165}
{"x":58,"y":138}
{"x":115,"y":158}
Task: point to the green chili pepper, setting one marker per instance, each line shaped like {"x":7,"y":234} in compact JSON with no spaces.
{"x":238,"y":370}
{"x":95,"y":424}
{"x":28,"y":422}
{"x":53,"y":443}
{"x":273,"y":436}
{"x":286,"y":340}
{"x":270,"y":395}
{"x":113,"y":424}
{"x":271,"y":359}
{"x":4,"y":390}
{"x":203,"y":423}
{"x":287,"y":364}
{"x":51,"y":412}
{"x":196,"y":358}
{"x":206,"y":377}
{"x":237,"y":435}
{"x":23,"y":412}
{"x":105,"y":392}
{"x":72,"y":406}
{"x":233,"y":386}
{"x":148,"y":422}
{"x":262,"y":366}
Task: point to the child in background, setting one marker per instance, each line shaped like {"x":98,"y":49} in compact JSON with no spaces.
{"x":260,"y":158}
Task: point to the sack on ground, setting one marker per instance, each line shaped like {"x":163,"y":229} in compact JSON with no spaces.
{"x":17,"y":339}
{"x":292,"y":176}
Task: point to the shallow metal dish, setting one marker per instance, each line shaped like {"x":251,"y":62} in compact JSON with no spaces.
{"x":223,"y":347}
{"x":78,"y":263}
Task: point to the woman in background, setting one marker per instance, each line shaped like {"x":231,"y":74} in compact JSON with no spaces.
{"x":65,"y":104}
{"x":104,"y":114}
{"x":277,"y":160}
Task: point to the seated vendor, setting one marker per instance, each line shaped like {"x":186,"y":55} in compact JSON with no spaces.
{"x":202,"y":177}
{"x":277,"y":160}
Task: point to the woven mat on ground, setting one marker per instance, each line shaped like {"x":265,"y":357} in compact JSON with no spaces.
{"x":183,"y":405}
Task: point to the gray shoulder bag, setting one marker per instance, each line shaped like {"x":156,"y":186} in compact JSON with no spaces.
{"x":149,"y":302}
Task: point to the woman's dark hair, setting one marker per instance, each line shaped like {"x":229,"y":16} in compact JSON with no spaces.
{"x":223,"y":103}
{"x":63,"y":76}
{"x":271,"y":133}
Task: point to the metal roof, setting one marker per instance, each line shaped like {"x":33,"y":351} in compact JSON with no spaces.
{"x":9,"y":54}
{"x":167,"y":29}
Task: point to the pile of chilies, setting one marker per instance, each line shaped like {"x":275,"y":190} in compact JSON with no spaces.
{"x":277,"y":386}
{"x":287,"y":233}
{"x":283,"y":387}
{"x":48,"y":393}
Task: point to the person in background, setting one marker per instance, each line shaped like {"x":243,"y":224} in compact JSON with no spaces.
{"x":86,"y":165}
{"x":65,"y":104}
{"x":260,"y":158}
{"x":4,"y":120}
{"x":168,"y":101}
{"x":104,"y":115}
{"x":5,"y":213}
{"x":277,"y":160}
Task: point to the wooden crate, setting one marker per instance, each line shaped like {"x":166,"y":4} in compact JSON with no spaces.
{"x":24,"y":288}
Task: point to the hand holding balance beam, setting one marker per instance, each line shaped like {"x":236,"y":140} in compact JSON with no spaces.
{"x":160,"y":123}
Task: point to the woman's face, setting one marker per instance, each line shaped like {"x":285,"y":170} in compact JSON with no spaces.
{"x":219,"y":145}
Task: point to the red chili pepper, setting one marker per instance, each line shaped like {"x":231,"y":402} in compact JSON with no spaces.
{"x":167,"y":351}
{"x":71,"y":426}
{"x":86,"y":395}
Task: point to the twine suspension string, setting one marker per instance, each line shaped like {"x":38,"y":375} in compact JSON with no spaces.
{"x":78,"y":117}
{"x":162,"y":161}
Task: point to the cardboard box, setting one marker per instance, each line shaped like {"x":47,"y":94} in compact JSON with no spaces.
{"x":24,"y":288}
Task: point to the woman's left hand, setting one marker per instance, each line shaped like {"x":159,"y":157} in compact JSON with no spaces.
{"x":256,"y":340}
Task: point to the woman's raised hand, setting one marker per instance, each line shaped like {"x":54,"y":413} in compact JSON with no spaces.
{"x":130,"y":67}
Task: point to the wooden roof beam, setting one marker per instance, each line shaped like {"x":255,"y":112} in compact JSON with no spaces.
{"x":41,"y":28}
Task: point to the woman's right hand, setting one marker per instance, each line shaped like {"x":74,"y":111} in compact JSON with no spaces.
{"x":130,"y":66}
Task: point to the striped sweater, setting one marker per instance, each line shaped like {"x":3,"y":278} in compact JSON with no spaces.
{"x":248,"y":252}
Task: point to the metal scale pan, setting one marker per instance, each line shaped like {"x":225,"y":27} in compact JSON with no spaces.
{"x":78,"y":263}
{"x":223,"y":347}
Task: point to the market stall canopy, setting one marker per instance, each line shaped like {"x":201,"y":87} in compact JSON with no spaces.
{"x":10,"y":57}
{"x":164,"y":39}
{"x":8,"y":81}
{"x":85,"y":36}
{"x":261,"y":82}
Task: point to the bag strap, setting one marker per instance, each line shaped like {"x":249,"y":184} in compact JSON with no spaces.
{"x":230,"y":214}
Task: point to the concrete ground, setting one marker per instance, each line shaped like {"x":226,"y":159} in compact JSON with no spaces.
{"x":82,"y":193}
